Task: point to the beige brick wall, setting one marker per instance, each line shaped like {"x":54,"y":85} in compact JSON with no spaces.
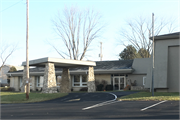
{"x":103,"y":77}
{"x":16,"y":83}
{"x":33,"y":82}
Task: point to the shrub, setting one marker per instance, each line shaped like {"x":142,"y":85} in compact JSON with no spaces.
{"x":128,"y":87}
{"x":96,"y":82}
{"x":100,"y":87}
{"x":104,"y":82}
{"x":84,"y":89}
{"x":109,"y":87}
{"x":7,"y":89}
{"x":57,"y":90}
{"x":4,"y":84}
{"x":11,"y":89}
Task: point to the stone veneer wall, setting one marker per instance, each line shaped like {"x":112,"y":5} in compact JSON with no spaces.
{"x":91,"y":80}
{"x":65,"y":81}
{"x":23,"y":87}
{"x":49,"y":84}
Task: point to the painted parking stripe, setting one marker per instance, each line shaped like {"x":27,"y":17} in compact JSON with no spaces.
{"x":74,"y":99}
{"x":103,"y":103}
{"x":153,"y":105}
{"x":100,"y":104}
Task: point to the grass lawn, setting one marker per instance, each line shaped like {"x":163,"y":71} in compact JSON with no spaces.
{"x":147,"y":96}
{"x":18,"y":97}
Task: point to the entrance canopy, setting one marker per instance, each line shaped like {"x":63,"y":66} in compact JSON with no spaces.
{"x":60,"y":62}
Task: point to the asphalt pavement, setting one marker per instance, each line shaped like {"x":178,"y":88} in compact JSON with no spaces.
{"x":100,"y":106}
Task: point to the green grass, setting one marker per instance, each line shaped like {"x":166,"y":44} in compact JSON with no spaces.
{"x":147,"y":96}
{"x":18,"y":97}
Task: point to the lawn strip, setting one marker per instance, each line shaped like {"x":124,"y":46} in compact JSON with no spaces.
{"x":18,"y":97}
{"x":147,"y":96}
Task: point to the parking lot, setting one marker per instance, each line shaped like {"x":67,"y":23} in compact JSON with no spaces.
{"x":92,"y":106}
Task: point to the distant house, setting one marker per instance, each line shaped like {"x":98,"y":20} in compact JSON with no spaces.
{"x":4,"y":71}
{"x":121,"y":73}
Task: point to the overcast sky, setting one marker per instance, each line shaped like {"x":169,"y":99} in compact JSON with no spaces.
{"x":41,"y":12}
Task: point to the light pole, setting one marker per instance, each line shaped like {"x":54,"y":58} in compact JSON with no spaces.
{"x":27,"y":47}
{"x":153,"y":55}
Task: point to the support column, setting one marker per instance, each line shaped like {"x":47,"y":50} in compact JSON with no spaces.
{"x":65,"y":81}
{"x":23,"y":87}
{"x":91,"y":80}
{"x":49,"y":83}
{"x":33,"y":82}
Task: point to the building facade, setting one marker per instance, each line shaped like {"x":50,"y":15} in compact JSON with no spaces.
{"x":121,"y":73}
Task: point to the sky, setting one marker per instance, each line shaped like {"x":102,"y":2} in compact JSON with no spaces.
{"x":41,"y":12}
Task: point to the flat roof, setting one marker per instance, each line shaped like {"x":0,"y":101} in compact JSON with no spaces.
{"x":59,"y":62}
{"x":175,"y":35}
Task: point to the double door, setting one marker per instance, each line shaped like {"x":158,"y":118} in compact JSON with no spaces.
{"x":119,"y":83}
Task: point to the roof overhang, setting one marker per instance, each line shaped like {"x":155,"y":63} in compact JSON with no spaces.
{"x":117,"y":71}
{"x":59,"y":62}
{"x":167,"y":36}
{"x":113,"y":71}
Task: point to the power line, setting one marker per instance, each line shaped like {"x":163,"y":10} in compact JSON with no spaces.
{"x":11,"y":6}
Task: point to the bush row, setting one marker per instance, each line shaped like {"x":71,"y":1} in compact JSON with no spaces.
{"x":7,"y":89}
{"x":4,"y":84}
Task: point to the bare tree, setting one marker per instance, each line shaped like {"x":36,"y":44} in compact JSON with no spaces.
{"x":77,"y":29}
{"x":5,"y":52}
{"x":138,"y":31}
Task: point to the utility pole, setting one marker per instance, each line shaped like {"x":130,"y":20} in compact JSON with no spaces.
{"x":100,"y":55}
{"x":27,"y":47}
{"x":153,"y":55}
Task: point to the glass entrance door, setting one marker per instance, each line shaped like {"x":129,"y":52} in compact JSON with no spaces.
{"x":119,"y":83}
{"x":116,"y":83}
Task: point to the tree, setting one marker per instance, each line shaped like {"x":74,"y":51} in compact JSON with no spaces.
{"x":143,"y":53}
{"x":12,"y":69}
{"x":5,"y":52}
{"x":77,"y":29}
{"x":128,"y":53}
{"x":138,"y":31}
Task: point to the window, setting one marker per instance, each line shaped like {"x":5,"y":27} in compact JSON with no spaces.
{"x":39,"y":81}
{"x":58,"y":81}
{"x":30,"y":84}
{"x":20,"y":81}
{"x":144,"y":80}
{"x":79,"y":80}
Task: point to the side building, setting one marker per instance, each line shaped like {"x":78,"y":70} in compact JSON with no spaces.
{"x":3,"y":77}
{"x":166,"y":62}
